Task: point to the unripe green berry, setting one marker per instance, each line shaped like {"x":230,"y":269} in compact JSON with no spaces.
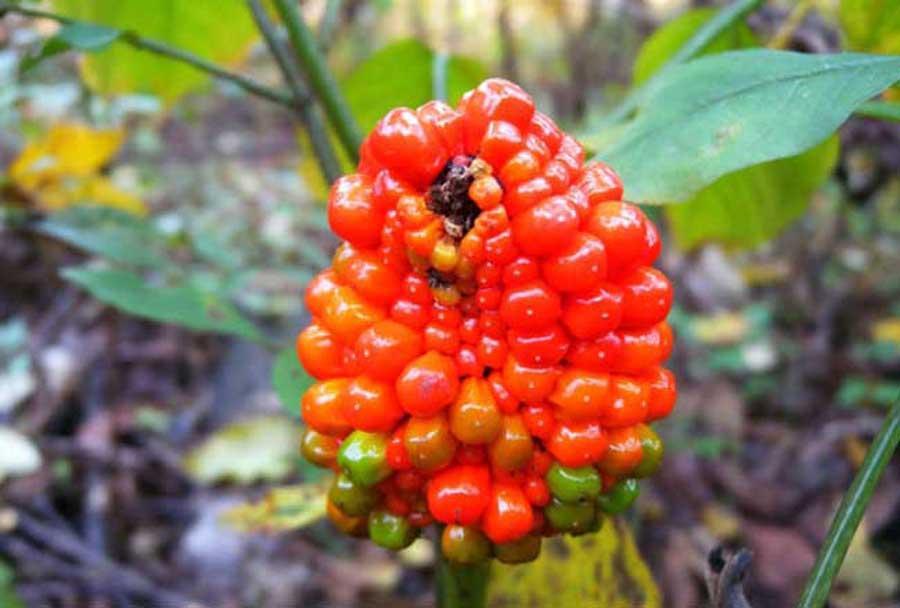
{"x":363,"y":456}
{"x":573,"y":485}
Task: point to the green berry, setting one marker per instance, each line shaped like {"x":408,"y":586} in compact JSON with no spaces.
{"x":465,"y":544}
{"x":391,"y":531}
{"x":525,"y":549}
{"x":363,"y":456}
{"x":652,"y":447}
{"x":573,"y":517}
{"x":573,"y":485}
{"x":619,"y":497}
{"x":352,"y":498}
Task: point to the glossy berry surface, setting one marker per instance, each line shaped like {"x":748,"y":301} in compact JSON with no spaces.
{"x":488,"y":342}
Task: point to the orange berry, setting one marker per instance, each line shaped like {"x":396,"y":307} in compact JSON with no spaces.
{"x":428,"y":384}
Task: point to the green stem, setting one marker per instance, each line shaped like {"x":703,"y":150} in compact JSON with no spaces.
{"x":702,"y":38}
{"x":320,"y":78}
{"x":785,"y":33}
{"x":160,"y":48}
{"x":885,"y":110}
{"x":461,"y":586}
{"x":439,"y":65}
{"x":850,"y":512}
{"x":309,"y":115}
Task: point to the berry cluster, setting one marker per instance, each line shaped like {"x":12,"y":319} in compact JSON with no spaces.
{"x":488,"y":339}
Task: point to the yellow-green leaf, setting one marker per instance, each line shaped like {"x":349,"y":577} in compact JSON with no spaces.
{"x":750,"y":206}
{"x":246,"y":451}
{"x":282,"y":509}
{"x":219,"y":30}
{"x":602,"y":569}
{"x":401,"y":74}
{"x":666,"y":41}
{"x":871,"y":25}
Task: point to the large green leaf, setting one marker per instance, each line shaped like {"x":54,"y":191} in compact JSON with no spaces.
{"x":871,"y":25}
{"x":748,"y":207}
{"x":400,"y":74}
{"x":180,"y":304}
{"x":290,"y":380}
{"x":220,"y":30}
{"x":666,"y":41}
{"x":720,"y":113}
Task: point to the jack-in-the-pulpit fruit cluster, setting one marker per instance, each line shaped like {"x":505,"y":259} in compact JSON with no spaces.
{"x":489,"y":338}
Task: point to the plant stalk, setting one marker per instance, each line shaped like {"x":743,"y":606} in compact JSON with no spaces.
{"x":461,"y":586}
{"x":303,"y":106}
{"x":160,"y":48}
{"x":850,"y":512}
{"x":702,"y":38}
{"x":884,"y":110}
{"x":785,"y":33}
{"x":320,"y":78}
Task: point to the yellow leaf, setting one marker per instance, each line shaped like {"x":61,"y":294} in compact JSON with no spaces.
{"x":282,"y":509}
{"x":602,"y":569}
{"x":101,"y":191}
{"x":67,"y":149}
{"x":63,"y":168}
{"x":721,"y":328}
{"x":887,"y":330}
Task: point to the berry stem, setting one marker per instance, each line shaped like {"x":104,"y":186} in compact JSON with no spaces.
{"x":461,"y":586}
{"x":154,"y":46}
{"x":305,"y":110}
{"x":320,"y":78}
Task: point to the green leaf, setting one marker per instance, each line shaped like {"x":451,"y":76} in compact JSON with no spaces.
{"x":720,"y":113}
{"x":666,"y":41}
{"x":245,"y":452}
{"x":79,"y":36}
{"x":281,"y":510}
{"x":114,"y":235}
{"x":871,"y":25}
{"x":215,"y":30}
{"x":290,"y":380}
{"x":400,"y":74}
{"x":603,"y":569}
{"x":182,"y":305}
{"x":87,"y":36}
{"x":750,"y":206}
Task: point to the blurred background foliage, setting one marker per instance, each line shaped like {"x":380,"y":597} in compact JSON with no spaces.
{"x":159,"y":226}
